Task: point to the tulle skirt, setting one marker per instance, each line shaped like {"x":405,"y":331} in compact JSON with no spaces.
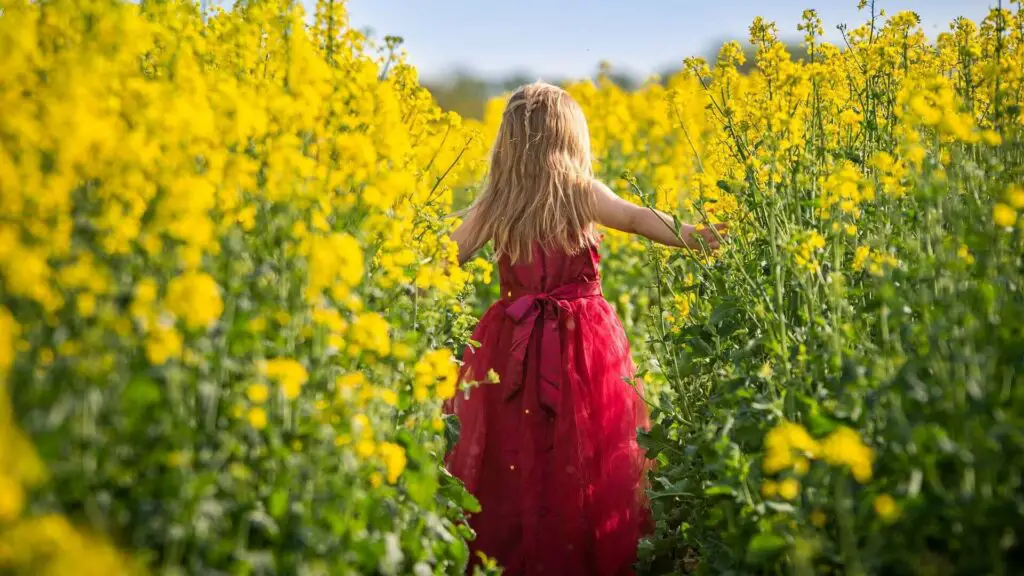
{"x":553,"y":459}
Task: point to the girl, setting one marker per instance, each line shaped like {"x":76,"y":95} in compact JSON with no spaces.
{"x":550,"y":451}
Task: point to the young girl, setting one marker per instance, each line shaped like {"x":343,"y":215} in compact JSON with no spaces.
{"x":550,"y":451}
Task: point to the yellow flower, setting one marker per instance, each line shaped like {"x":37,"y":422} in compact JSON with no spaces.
{"x":843,"y":447}
{"x":361,"y":426}
{"x":9,"y":331}
{"x":402,"y":351}
{"x":776,"y":461}
{"x":965,"y":254}
{"x":886,"y":507}
{"x":335,"y":262}
{"x":162,"y":344}
{"x":861,"y":471}
{"x":769,"y":488}
{"x":365,"y":448}
{"x":789,"y":488}
{"x":288,"y":374}
{"x":789,"y":436}
{"x":1003,"y":215}
{"x":1015,"y":196}
{"x":370,"y":332}
{"x":860,"y":256}
{"x":387,"y":396}
{"x":257,"y":417}
{"x":257,"y":393}
{"x":436,"y":369}
{"x":195,"y":298}
{"x":351,"y":380}
{"x":12,"y":498}
{"x":394,"y":460}
{"x":850,"y":117}
{"x":991,"y":137}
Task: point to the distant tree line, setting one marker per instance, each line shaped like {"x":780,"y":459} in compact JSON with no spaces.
{"x":467,"y":92}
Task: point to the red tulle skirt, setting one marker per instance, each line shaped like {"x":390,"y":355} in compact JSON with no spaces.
{"x":550,"y":450}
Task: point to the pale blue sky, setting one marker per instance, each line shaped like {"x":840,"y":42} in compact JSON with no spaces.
{"x":557,"y":38}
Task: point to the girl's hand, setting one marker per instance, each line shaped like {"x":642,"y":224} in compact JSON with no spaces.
{"x":704,"y":238}
{"x":614,"y":212}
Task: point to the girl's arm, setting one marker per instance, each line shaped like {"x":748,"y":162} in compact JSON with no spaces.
{"x":614,"y":212}
{"x":463,"y":236}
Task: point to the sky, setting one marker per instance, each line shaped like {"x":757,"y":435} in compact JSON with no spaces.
{"x":568,"y":38}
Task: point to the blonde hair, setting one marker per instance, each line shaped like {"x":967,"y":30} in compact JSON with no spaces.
{"x":539,"y":185}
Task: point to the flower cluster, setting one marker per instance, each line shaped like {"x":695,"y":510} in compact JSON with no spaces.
{"x":874,"y":262}
{"x":789,"y":447}
{"x":225,"y":237}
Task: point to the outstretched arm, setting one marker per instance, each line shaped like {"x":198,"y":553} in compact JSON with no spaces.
{"x":614,"y":212}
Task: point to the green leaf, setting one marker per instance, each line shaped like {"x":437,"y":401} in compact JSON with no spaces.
{"x":722,"y":312}
{"x":421,"y":486}
{"x":452,"y":431}
{"x":720,"y":490}
{"x":278,"y":503}
{"x":765,"y":545}
{"x":783,"y":507}
{"x":820,"y":425}
{"x":142,"y":392}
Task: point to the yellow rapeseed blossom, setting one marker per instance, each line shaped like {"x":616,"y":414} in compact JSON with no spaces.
{"x":369,"y":333}
{"x":287,"y":373}
{"x":1004,"y":215}
{"x":784,"y":444}
{"x":789,"y":489}
{"x":335,"y":263}
{"x":195,"y":298}
{"x":789,"y":446}
{"x":845,"y":189}
{"x":885,"y":507}
{"x":394,"y":459}
{"x":9,"y":331}
{"x":365,"y":448}
{"x":437,"y":370}
{"x":874,"y":262}
{"x":257,"y":393}
{"x":843,"y":447}
{"x":1015,"y":196}
{"x":350,"y":383}
{"x":49,"y":545}
{"x":964,"y":253}
{"x":162,"y":344}
{"x":12,"y":498}
{"x":257,"y":417}
{"x":805,"y":249}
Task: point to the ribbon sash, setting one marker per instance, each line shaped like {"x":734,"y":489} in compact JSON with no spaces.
{"x":538,"y":315}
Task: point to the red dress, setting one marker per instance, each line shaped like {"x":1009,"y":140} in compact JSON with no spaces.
{"x":550,"y":451}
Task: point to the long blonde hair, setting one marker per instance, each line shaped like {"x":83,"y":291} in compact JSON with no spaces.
{"x":539,"y":185}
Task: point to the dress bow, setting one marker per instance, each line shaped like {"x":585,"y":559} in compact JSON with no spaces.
{"x":538,"y":315}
